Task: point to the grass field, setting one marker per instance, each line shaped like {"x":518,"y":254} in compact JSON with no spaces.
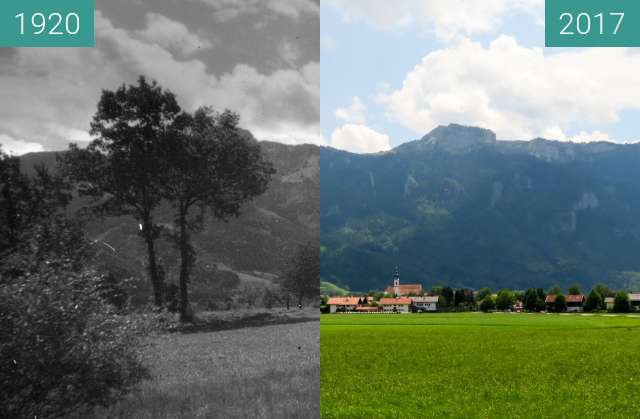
{"x":253,"y":372}
{"x":480,"y":366}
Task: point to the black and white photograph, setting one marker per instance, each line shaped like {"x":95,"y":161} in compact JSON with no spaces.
{"x":159,"y":215}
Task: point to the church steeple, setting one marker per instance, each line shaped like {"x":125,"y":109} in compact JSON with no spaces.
{"x":396,"y":283}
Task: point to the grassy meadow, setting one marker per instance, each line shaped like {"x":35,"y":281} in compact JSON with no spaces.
{"x":479,"y":365}
{"x":252,"y":372}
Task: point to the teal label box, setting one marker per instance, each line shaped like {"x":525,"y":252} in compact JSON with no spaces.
{"x":592,"y":23}
{"x":46,"y":23}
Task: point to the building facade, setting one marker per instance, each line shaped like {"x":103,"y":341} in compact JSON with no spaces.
{"x":399,"y":290}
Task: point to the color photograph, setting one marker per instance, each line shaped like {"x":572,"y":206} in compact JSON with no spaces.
{"x":479,"y":206}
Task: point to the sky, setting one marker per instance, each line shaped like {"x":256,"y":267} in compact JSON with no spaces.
{"x":259,"y":58}
{"x":394,"y":70}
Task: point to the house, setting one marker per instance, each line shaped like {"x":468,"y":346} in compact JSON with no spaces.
{"x":634,"y":301}
{"x":609,"y":302}
{"x":549,"y":302}
{"x":403,"y":290}
{"x":364,"y":301}
{"x":342,"y":304}
{"x":367,"y":309}
{"x":395,"y":305}
{"x":517,"y":307}
{"x":425,"y":303}
{"x":574,"y":303}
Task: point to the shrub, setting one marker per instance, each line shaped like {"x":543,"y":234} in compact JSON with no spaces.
{"x":63,"y":347}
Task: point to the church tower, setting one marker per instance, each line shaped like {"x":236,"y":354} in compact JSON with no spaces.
{"x":396,"y":283}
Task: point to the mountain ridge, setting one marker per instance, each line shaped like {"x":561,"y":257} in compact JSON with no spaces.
{"x":259,"y":242}
{"x":486,"y":212}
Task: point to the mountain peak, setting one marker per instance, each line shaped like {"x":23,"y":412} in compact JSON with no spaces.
{"x":459,"y":137}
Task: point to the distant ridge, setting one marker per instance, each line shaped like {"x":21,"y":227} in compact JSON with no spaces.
{"x":459,"y":207}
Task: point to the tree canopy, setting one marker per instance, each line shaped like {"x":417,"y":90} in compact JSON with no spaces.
{"x":122,"y":168}
{"x":505,"y":299}
{"x":594,"y":301}
{"x":209,"y":164}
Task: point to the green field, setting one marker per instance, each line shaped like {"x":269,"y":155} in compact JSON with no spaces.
{"x":480,"y":366}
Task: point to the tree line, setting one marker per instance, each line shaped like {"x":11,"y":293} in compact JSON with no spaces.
{"x":532,"y":299}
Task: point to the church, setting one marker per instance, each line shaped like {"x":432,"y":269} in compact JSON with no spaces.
{"x":403,"y":290}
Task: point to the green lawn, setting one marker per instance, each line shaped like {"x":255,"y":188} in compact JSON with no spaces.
{"x":480,"y":366}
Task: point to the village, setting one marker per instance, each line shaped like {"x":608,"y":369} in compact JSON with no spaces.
{"x":411,"y":298}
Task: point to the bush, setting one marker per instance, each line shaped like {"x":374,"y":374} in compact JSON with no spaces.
{"x":63,"y":347}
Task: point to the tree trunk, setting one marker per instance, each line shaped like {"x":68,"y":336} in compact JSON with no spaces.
{"x":156,"y":281}
{"x":186,"y":315}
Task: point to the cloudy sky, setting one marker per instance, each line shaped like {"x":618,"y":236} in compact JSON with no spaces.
{"x":257,"y":57}
{"x":394,"y":70}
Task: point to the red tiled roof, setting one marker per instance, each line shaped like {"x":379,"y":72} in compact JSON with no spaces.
{"x":406,"y":289}
{"x":634,"y":296}
{"x":426,"y":299}
{"x":575,"y":298}
{"x":343,"y":301}
{"x":550,"y":299}
{"x":396,"y":301}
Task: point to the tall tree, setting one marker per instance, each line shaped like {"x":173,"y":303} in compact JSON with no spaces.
{"x":33,"y":225}
{"x":504,"y":299}
{"x":447,"y":296}
{"x":621,"y":302}
{"x":209,"y":164}
{"x":483,"y":292}
{"x":303,"y":278}
{"x":594,"y":301}
{"x":458,"y":297}
{"x":14,"y":201}
{"x":555,"y":290}
{"x":530,"y":301}
{"x":121,"y":168}
{"x":574,"y":289}
{"x":487,"y":303}
{"x":560,"y":304}
{"x":604,"y":292}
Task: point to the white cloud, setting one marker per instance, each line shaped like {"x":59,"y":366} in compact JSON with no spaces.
{"x":17,"y":147}
{"x":172,"y":35}
{"x":358,"y":138}
{"x":585,"y":137}
{"x":282,"y":105}
{"x":518,"y":92}
{"x":354,"y":113}
{"x":289,"y":52}
{"x":225,"y":10}
{"x":446,"y":18}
